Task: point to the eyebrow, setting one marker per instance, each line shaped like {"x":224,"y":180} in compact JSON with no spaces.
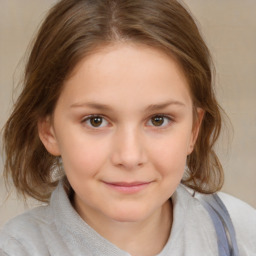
{"x":91,"y":105}
{"x":154,"y":107}
{"x":151,"y":107}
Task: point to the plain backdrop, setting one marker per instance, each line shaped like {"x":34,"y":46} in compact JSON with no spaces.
{"x":229,"y":28}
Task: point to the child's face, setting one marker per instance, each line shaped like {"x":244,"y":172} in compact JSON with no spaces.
{"x":123,"y":127}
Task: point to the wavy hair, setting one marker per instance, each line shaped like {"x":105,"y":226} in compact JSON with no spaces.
{"x":73,"y":29}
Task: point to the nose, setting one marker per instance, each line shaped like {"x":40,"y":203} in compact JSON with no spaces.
{"x":128,"y":149}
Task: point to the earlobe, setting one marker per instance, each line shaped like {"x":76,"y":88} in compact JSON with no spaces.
{"x":47,"y":135}
{"x":196,"y":128}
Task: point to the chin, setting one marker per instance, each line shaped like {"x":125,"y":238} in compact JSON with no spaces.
{"x":130,"y":215}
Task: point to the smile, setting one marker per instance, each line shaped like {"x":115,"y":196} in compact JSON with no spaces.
{"x":127,"y":187}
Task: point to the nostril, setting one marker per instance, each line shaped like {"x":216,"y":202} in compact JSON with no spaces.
{"x":128,"y":148}
{"x":129,"y":159}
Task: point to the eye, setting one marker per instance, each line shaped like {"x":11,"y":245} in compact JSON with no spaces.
{"x":95,"y":121}
{"x":159,"y":121}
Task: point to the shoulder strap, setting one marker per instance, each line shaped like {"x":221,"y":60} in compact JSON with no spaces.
{"x":225,"y":231}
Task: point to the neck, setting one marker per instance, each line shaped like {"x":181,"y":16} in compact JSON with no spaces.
{"x":144,"y":238}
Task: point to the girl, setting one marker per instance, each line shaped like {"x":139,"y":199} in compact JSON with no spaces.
{"x":115,"y":129}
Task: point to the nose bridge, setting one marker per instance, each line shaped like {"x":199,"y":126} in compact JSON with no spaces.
{"x":128,"y":148}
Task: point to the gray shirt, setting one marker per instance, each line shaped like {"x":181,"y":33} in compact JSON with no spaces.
{"x":58,"y":230}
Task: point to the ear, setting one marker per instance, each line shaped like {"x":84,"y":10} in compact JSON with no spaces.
{"x":47,"y":135}
{"x":199,"y":115}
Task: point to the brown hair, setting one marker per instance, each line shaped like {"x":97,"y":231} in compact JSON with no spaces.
{"x":72,"y":29}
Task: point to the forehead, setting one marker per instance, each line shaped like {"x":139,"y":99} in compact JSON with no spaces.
{"x":127,"y":72}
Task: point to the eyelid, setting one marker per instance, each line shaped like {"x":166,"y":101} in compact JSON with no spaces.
{"x":169,"y":117}
{"x":88,"y":117}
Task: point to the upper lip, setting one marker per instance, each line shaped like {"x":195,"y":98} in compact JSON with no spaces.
{"x":128,"y":184}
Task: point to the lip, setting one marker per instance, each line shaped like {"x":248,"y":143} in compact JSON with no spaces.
{"x":128,"y":187}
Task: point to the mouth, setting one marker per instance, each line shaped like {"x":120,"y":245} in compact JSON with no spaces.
{"x":128,"y":187}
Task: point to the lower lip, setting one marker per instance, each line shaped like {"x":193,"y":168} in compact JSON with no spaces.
{"x":130,"y":189}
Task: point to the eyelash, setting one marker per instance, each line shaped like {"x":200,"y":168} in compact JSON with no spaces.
{"x":90,"y":118}
{"x":169,"y":119}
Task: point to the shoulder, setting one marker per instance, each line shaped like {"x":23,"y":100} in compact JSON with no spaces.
{"x":243,"y":217}
{"x":240,"y":212}
{"x":23,"y":234}
{"x":29,"y":221}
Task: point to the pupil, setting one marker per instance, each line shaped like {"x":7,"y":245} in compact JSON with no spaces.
{"x":96,"y":121}
{"x":158,"y":120}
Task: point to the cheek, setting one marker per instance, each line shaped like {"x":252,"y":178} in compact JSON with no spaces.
{"x":82,"y":156}
{"x":169,"y":154}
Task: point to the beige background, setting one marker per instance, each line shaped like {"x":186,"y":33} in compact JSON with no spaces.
{"x":229,"y":28}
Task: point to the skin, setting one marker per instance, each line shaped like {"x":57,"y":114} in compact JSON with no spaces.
{"x":126,"y":161}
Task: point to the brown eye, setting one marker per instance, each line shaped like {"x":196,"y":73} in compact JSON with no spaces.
{"x":96,"y":121}
{"x":159,"y":121}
